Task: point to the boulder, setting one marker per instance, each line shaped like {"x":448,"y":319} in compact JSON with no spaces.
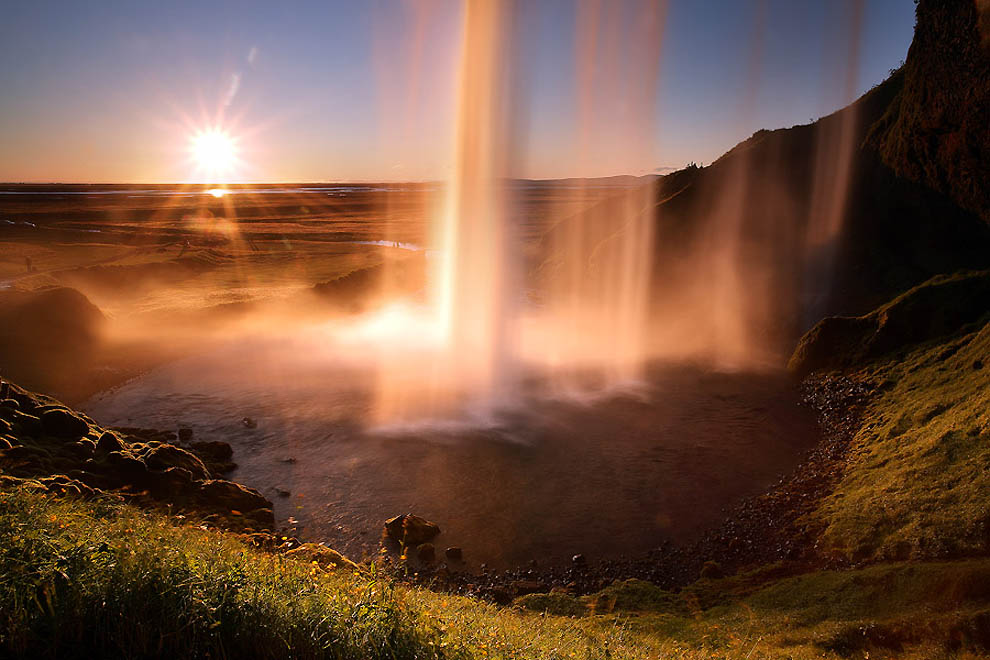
{"x":216,"y":456}
{"x":109,"y":442}
{"x":322,"y":555}
{"x":426,"y":552}
{"x":232,"y":496}
{"x":938,"y":308}
{"x":60,"y":484}
{"x":127,"y":469}
{"x":411,"y":531}
{"x":26,"y":423}
{"x":712,"y":571}
{"x":163,"y":457}
{"x":61,"y":423}
{"x":174,"y":482}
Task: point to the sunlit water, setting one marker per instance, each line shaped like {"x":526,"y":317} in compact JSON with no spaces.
{"x":611,"y":475}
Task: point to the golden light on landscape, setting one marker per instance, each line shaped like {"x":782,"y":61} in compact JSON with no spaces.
{"x":214,"y":151}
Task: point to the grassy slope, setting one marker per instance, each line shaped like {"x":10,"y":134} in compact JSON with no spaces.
{"x":919,"y":479}
{"x":107,"y":580}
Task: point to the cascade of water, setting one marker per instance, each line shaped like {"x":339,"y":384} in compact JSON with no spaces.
{"x":473,"y":281}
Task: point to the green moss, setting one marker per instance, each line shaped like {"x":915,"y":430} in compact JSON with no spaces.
{"x":917,"y":482}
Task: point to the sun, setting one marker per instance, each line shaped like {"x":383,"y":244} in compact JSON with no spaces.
{"x":214,"y":151}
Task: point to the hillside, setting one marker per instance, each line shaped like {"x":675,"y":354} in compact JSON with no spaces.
{"x":815,"y":230}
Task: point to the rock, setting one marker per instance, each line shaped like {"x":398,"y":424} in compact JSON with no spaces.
{"x":322,"y":555}
{"x":454,"y":553}
{"x":281,"y":492}
{"x":109,"y":442}
{"x":28,"y":424}
{"x":229,"y":495}
{"x":174,"y":481}
{"x":249,"y":423}
{"x":426,"y":552}
{"x":185,"y":435}
{"x":525,"y":587}
{"x":712,"y":571}
{"x":128,"y":468}
{"x":212,"y":449}
{"x":579,"y":560}
{"x":393,"y":528}
{"x":500,"y":596}
{"x":264,"y":517}
{"x":61,"y":423}
{"x":60,"y":484}
{"x":417,"y":531}
{"x":936,"y":308}
{"x":13,"y":404}
{"x":81,"y":449}
{"x":163,"y":457}
{"x":216,"y":455}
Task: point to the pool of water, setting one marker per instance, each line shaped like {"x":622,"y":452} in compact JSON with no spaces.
{"x":608,"y":477}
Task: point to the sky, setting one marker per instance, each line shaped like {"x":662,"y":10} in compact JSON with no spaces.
{"x":104,"y":91}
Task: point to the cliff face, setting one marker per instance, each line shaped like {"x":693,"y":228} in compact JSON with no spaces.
{"x":818,"y":229}
{"x":937,"y":130}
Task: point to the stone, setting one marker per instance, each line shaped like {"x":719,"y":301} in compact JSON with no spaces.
{"x":61,"y":423}
{"x":174,"y":481}
{"x":109,"y":442}
{"x":163,"y":457}
{"x":60,"y":484}
{"x":417,"y":530}
{"x":426,"y":552}
{"x":213,"y":450}
{"x":13,"y":404}
{"x":185,"y":435}
{"x":28,"y":424}
{"x":325,"y":557}
{"x":454,"y":553}
{"x":393,"y":528}
{"x":525,"y":587}
{"x":579,"y":560}
{"x":229,"y":495}
{"x":712,"y":571}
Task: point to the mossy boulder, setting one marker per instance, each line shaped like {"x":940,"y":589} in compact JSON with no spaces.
{"x":327,"y":558}
{"x":163,"y":457}
{"x":61,"y":423}
{"x":939,"y":307}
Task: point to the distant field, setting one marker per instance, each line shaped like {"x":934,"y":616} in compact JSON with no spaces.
{"x":149,"y":248}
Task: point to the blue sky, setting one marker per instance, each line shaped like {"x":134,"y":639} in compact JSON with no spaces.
{"x":112,"y":91}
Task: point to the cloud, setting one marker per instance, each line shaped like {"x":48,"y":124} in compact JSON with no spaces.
{"x":235,"y":84}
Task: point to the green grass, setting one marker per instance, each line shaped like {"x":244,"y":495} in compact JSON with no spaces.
{"x":107,"y":580}
{"x":918,"y":481}
{"x":103,"y":579}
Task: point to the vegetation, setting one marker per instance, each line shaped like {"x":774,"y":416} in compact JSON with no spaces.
{"x":918,"y":481}
{"x":103,"y":579}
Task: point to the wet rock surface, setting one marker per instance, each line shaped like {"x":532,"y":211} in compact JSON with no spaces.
{"x":49,"y":447}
